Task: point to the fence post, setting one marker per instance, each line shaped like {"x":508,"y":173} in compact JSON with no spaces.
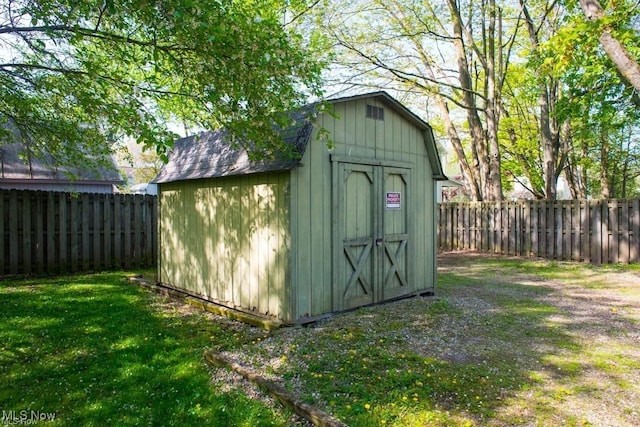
{"x":575,"y":231}
{"x":614,"y":228}
{"x":623,"y":248}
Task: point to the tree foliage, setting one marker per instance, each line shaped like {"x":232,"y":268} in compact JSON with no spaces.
{"x":520,"y":87}
{"x":433,"y":50}
{"x":76,"y":78}
{"x":598,"y":107}
{"x":614,"y":33}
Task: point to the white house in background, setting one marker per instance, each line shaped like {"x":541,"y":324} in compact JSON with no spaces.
{"x":520,"y":190}
{"x":150,"y":189}
{"x":19,"y":171}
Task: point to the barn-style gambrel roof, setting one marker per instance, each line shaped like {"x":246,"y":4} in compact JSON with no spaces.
{"x":211,"y":155}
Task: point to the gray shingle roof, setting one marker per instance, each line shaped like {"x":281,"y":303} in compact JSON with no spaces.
{"x":210,"y":155}
{"x":13,"y":167}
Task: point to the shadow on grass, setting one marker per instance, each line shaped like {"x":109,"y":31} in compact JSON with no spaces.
{"x":91,"y":350}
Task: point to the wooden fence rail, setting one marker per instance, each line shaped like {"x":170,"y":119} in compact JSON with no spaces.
{"x":592,"y":231}
{"x":53,"y":232}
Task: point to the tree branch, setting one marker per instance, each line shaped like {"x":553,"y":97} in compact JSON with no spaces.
{"x":90,"y":33}
{"x":70,"y":71}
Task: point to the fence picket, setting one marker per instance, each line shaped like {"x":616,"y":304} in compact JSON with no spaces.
{"x":575,"y":230}
{"x":117,"y":229}
{"x":624,"y":232}
{"x":3,"y":215}
{"x":26,"y":234}
{"x":557,"y":230}
{"x":634,"y":226}
{"x":38,"y":248}
{"x":579,"y":230}
{"x":74,"y":227}
{"x":137,"y":226}
{"x":614,"y":231}
{"x":50,"y":232}
{"x":44,"y":232}
{"x":128,"y":250}
{"x":148,"y":226}
{"x":96,"y":225}
{"x":14,"y":255}
{"x":63,"y":232}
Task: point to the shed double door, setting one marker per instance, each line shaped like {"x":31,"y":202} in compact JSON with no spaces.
{"x":373,"y":234}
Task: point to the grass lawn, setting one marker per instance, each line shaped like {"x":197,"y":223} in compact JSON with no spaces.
{"x":95,"y":350}
{"x":504,"y":342}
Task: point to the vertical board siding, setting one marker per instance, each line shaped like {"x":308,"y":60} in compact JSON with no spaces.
{"x":54,"y":232}
{"x":226,"y":240}
{"x":591,"y":231}
{"x":354,"y":135}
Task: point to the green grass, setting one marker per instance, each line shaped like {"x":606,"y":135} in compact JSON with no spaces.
{"x":372,"y":385}
{"x":96,"y":350}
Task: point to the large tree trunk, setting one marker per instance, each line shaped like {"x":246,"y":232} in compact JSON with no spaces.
{"x":605,"y":189}
{"x":626,"y":64}
{"x":550,"y":141}
{"x":573,"y":171}
{"x":488,"y":155}
{"x":492,"y":108}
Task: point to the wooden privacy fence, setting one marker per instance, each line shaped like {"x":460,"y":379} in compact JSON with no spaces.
{"x":52,"y":232}
{"x":593,"y":231}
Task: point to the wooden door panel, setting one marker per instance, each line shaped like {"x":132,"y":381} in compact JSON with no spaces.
{"x":372,"y":232}
{"x":358,"y":229}
{"x":358,"y":290}
{"x":395,"y":256}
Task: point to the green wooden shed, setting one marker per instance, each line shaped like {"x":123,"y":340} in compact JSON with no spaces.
{"x":294,"y":240}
